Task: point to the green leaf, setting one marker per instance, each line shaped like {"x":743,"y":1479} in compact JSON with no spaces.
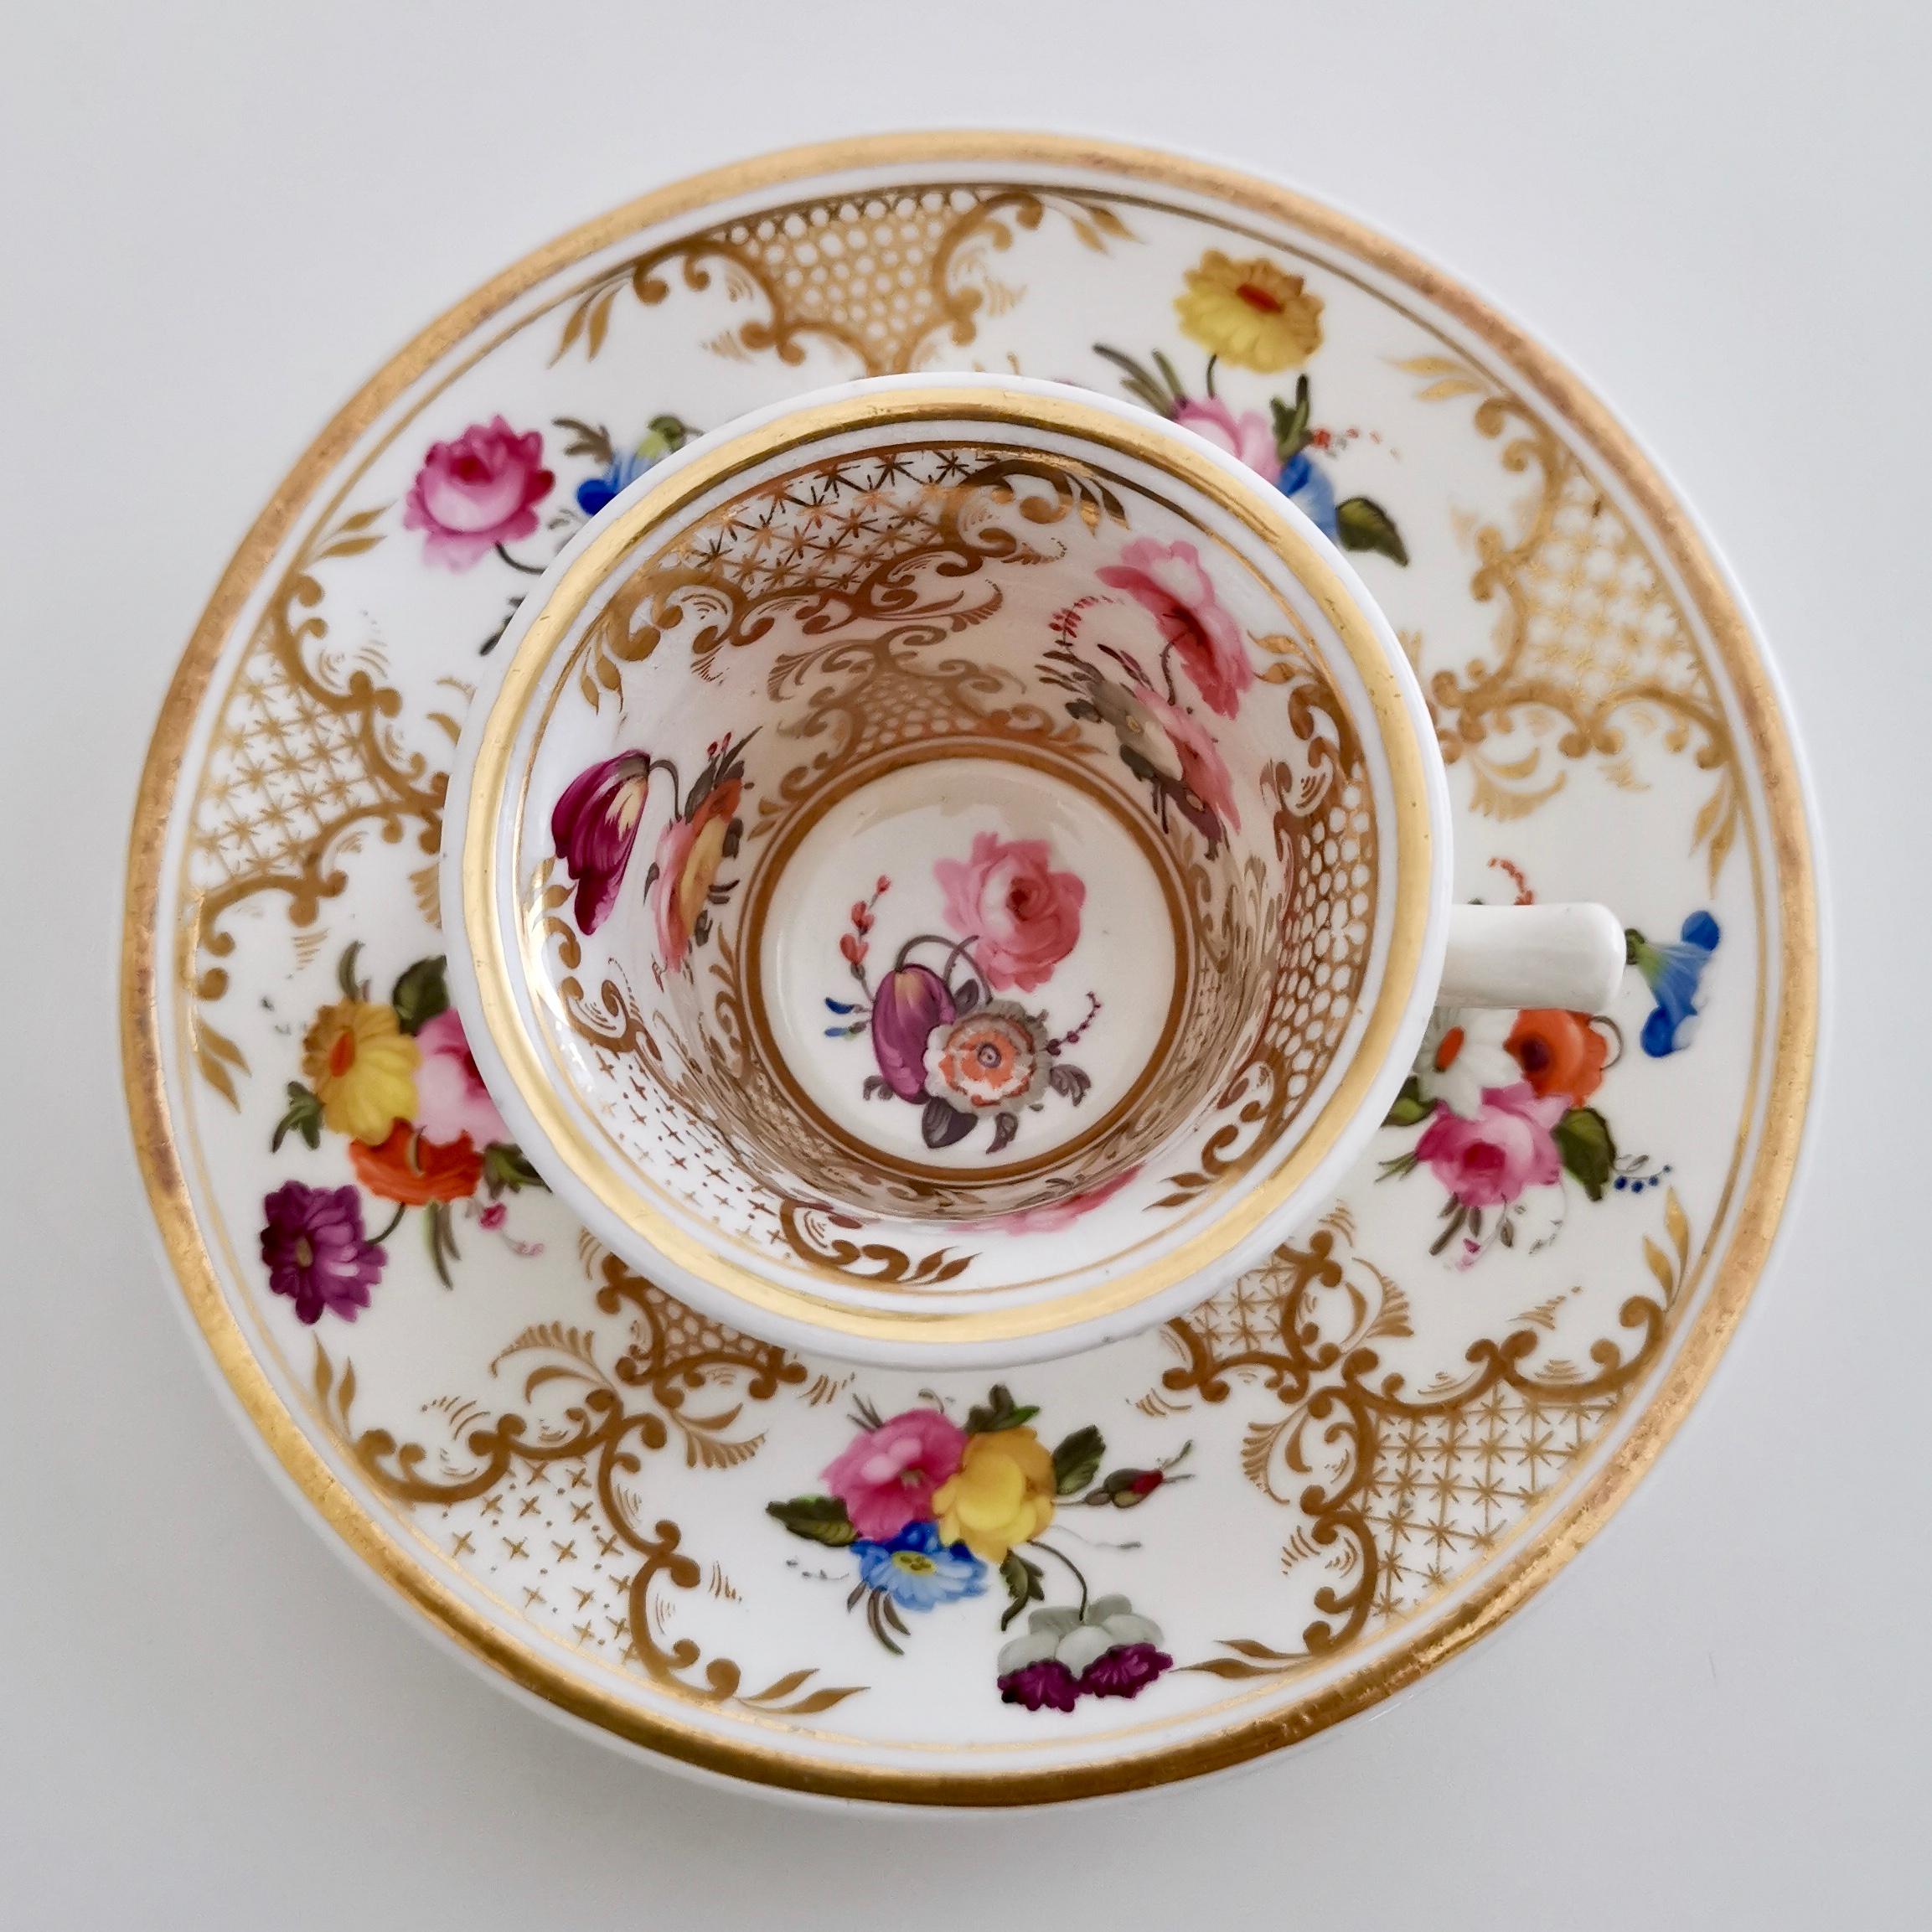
{"x":303,"y":1117}
{"x":1363,"y":524}
{"x":817,"y":1519}
{"x":1583,"y":1140}
{"x":352,"y":988}
{"x":506,"y":1169}
{"x":1410,"y":1109}
{"x":420,"y":994}
{"x":1291,"y":425}
{"x":997,"y":1412}
{"x":1077,"y":1461}
{"x":1025,"y":1584}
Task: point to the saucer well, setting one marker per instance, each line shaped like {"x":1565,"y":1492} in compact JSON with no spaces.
{"x":1129,"y":1566}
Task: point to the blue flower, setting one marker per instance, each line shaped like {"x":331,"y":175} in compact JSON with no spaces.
{"x":917,"y":1570}
{"x":1674,"y":974}
{"x":595,"y":492}
{"x":665,"y":435}
{"x":1310,"y":492}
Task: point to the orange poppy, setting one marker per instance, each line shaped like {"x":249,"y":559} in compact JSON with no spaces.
{"x":413,"y":1170}
{"x":1559,"y":1052}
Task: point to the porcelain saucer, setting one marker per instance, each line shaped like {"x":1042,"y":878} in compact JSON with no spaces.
{"x":1129,"y":1566}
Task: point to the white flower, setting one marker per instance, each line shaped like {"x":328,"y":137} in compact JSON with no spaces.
{"x":1462,"y":1054}
{"x":1076,"y":1641}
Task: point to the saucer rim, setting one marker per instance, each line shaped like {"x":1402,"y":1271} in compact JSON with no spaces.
{"x":1779,"y":1125}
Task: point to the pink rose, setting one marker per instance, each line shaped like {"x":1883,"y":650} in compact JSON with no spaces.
{"x":1051,"y":1217}
{"x":1248,"y":437}
{"x":1167,"y":580}
{"x":451,"y":1099}
{"x":1488,"y":1161}
{"x":888,"y":1477}
{"x":1202,"y":770}
{"x":1023,"y":917}
{"x":477,"y":492}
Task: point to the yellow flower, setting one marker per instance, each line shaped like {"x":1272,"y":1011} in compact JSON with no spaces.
{"x":362,"y":1065}
{"x":1250,"y":313}
{"x":1002,"y":1495}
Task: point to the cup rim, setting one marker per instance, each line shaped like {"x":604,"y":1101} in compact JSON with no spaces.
{"x":1115,"y":1301}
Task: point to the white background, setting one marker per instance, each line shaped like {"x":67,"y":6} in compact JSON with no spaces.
{"x":216,"y":220}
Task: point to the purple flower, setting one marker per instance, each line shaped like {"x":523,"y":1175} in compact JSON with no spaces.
{"x":594,"y":827}
{"x":316,"y":1254}
{"x":1047,"y":1684}
{"x":1124,"y":1671}
{"x":910,"y":1003}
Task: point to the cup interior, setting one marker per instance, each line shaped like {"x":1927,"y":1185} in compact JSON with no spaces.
{"x":945,"y":844}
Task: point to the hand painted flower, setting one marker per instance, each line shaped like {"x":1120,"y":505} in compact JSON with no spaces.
{"x":689,"y":855}
{"x":665,"y":435}
{"x":1307,"y":486}
{"x":451,"y":1100}
{"x":412,"y":1169}
{"x":1202,"y":770}
{"x":992,"y":1058}
{"x":888,"y":1477}
{"x":1559,"y":1052}
{"x":1124,"y":1671}
{"x":1250,"y":313}
{"x":1464,"y":1054}
{"x":1674,"y":975}
{"x":909,"y":1005}
{"x":1487,"y":1162}
{"x":593,"y":827}
{"x":1106,"y":1651}
{"x":917,"y":1570}
{"x":1168,"y":582}
{"x":1046,"y":1686}
{"x":1002,"y":1495}
{"x":314,"y":1247}
{"x":362,"y":1066}
{"x":1051,"y":1217}
{"x":1023,"y":917}
{"x":477,"y":492}
{"x":1248,"y":437}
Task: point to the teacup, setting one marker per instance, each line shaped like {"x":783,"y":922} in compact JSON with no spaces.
{"x":949,"y":872}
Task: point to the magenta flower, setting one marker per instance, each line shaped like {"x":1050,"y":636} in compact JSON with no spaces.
{"x":477,"y":492}
{"x":1167,"y":581}
{"x":314,"y":1247}
{"x":594,"y":825}
{"x":1488,"y":1161}
{"x":1124,"y":1671}
{"x":1047,"y":1685}
{"x":1248,"y":437}
{"x":910,"y":1003}
{"x":1023,"y":917}
{"x":451,"y":1099}
{"x":888,"y":1477}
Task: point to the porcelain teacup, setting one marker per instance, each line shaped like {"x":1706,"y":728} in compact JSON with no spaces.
{"x":947,"y":872}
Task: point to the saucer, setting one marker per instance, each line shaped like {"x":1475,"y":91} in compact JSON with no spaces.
{"x":1125,"y":1566}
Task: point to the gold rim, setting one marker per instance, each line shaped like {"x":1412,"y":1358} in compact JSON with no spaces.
{"x":537,"y":660}
{"x":1793,"y":1045}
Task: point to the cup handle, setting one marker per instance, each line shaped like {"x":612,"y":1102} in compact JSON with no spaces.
{"x":1571,"y":957}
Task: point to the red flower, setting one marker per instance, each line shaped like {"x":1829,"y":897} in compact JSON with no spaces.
{"x":413,"y":1170}
{"x":477,"y":492}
